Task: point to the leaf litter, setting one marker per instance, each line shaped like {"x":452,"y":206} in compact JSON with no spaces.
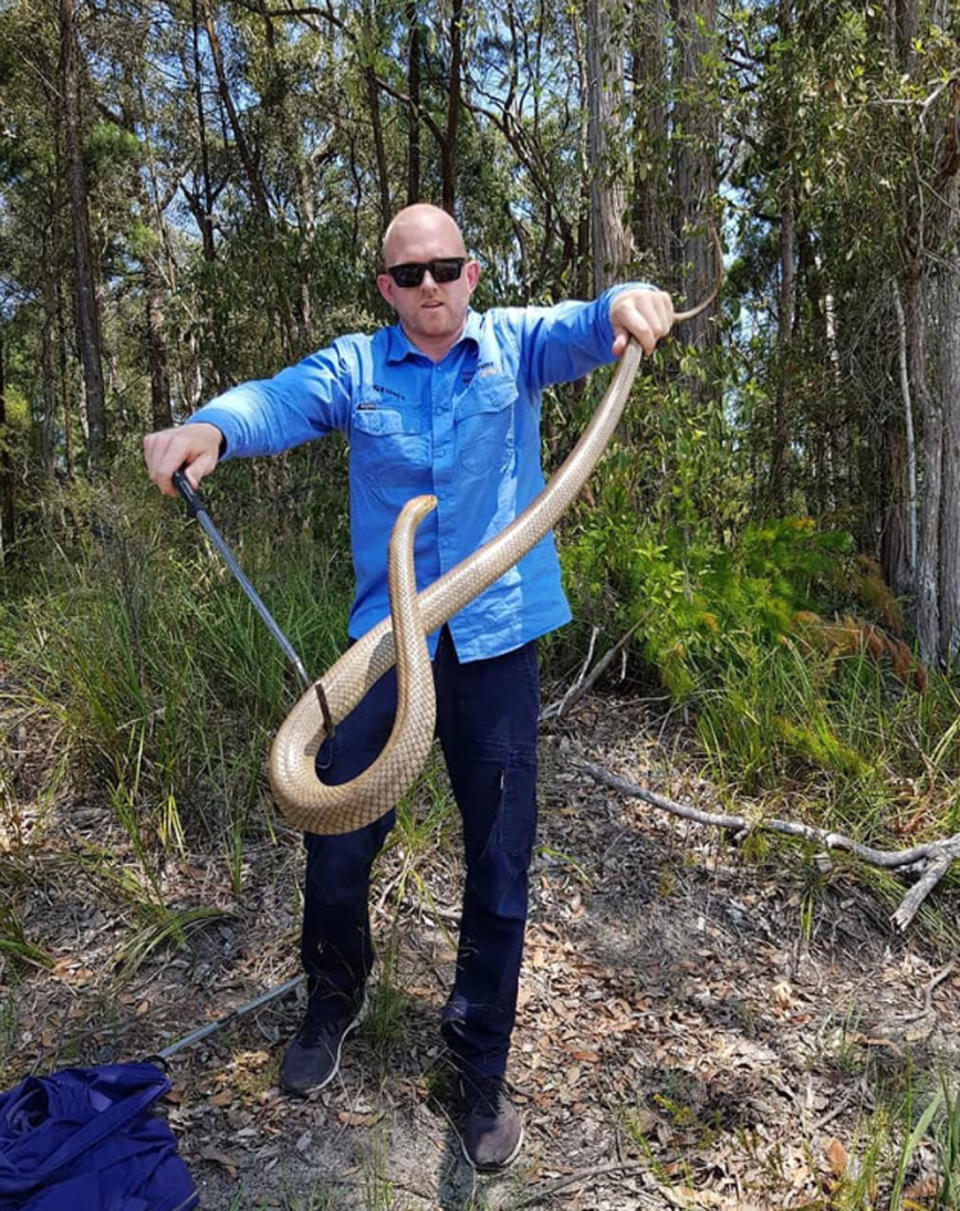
{"x":695,"y":1029}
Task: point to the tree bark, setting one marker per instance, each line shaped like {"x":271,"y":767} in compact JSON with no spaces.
{"x":948,"y":388}
{"x":899,"y":536}
{"x":203,"y":209}
{"x":695,"y":171}
{"x":8,"y":509}
{"x":376,"y":126}
{"x":895,"y":543}
{"x":448,"y":156}
{"x":47,"y":352}
{"x":927,"y":590}
{"x":649,"y":72}
{"x":64,"y":377}
{"x":236,"y":127}
{"x":88,"y":316}
{"x":610,"y":239}
{"x":383,"y":172}
{"x":161,"y":416}
{"x":413,"y":109}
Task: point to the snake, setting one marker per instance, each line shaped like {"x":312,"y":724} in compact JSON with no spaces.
{"x":317,"y":807}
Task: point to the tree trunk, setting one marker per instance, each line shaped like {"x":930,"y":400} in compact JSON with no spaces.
{"x":236,"y":128}
{"x":8,"y":509}
{"x":413,"y":91}
{"x":906,"y":22}
{"x":649,"y":72}
{"x":383,"y":172}
{"x":900,"y":529}
{"x":927,"y":591}
{"x":610,"y":239}
{"x":48,"y":353}
{"x":448,"y":166}
{"x":88,"y":317}
{"x":205,"y":198}
{"x":368,"y":50}
{"x":895,"y":543}
{"x":695,"y":173}
{"x":948,"y":388}
{"x":777,"y":488}
{"x":64,"y":376}
{"x":161,"y":416}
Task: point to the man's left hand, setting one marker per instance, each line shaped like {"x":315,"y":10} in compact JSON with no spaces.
{"x":645,"y":315}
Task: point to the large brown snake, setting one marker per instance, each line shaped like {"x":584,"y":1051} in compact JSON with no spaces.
{"x":316,"y":807}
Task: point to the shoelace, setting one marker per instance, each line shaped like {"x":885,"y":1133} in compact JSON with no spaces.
{"x":484,"y":1094}
{"x":318,"y":1028}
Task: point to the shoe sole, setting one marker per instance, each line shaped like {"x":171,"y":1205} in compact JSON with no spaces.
{"x":505,"y":1164}
{"x":351,"y":1027}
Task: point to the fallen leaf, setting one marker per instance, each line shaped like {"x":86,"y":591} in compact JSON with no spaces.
{"x":782,"y":994}
{"x":352,"y":1119}
{"x":220,"y":1158}
{"x":223,"y":1098}
{"x":838,"y":1157}
{"x":928,"y":1188}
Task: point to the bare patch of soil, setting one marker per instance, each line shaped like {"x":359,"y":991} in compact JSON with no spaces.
{"x":696,"y":1028}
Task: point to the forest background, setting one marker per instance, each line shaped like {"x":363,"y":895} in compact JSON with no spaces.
{"x":194,"y":194}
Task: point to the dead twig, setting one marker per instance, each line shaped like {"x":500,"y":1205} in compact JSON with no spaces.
{"x":585,"y":1175}
{"x":935,"y":857}
{"x":928,"y":991}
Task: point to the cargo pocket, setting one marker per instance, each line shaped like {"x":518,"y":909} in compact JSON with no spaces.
{"x":517,"y":824}
{"x":391,"y":449}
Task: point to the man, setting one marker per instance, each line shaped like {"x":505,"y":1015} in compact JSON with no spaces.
{"x":446,"y":402}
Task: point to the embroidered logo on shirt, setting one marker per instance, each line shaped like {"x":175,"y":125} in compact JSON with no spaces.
{"x":388,"y":391}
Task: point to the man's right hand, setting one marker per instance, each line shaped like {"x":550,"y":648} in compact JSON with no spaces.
{"x":197,"y":446}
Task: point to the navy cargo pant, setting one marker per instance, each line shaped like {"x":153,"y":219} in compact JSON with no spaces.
{"x":487,"y":724}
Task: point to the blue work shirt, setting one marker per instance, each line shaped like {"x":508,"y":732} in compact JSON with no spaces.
{"x":465,"y":429}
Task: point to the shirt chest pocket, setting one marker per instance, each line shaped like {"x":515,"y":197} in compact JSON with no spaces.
{"x":390,"y":447}
{"x":486,"y":426}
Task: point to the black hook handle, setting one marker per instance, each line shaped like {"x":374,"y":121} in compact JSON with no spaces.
{"x":191,"y":496}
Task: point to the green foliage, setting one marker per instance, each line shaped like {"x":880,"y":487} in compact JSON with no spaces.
{"x":714,"y":613}
{"x":16,"y":410}
{"x":162,"y":678}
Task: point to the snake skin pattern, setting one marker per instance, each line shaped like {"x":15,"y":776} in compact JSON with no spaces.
{"x":309,"y":803}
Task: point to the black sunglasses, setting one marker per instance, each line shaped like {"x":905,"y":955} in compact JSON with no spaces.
{"x":442,"y":269}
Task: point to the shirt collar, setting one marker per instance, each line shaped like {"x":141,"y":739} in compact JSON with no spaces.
{"x":399,"y":348}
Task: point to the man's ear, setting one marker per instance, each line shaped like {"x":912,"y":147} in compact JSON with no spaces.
{"x":385,"y":286}
{"x":472,"y":269}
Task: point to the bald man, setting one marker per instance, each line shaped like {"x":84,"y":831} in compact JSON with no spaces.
{"x":445,"y":401}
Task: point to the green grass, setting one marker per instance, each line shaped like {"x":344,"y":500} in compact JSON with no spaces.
{"x":165,"y":688}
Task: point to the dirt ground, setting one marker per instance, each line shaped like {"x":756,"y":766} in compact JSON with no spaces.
{"x":697,"y":1028}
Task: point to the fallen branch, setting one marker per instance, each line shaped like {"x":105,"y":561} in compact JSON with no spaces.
{"x":934,"y":857}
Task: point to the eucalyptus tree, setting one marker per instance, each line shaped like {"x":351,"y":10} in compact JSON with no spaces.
{"x":610,"y":238}
{"x":87,"y":303}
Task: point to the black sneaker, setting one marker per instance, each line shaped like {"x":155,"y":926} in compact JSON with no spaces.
{"x":492,"y":1130}
{"x":313,"y":1058}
